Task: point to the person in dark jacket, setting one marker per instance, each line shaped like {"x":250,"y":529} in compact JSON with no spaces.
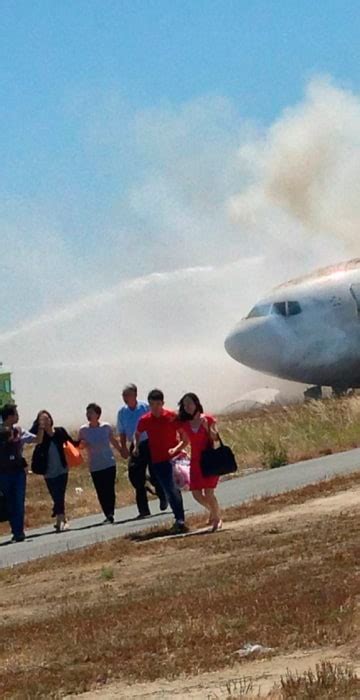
{"x":49,"y":459}
{"x":12,"y":468}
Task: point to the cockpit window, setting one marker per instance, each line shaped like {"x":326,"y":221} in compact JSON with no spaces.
{"x":293,"y":308}
{"x":286,"y":308}
{"x":259,"y":310}
{"x":279,"y":308}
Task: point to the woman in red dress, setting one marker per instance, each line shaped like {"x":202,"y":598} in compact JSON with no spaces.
{"x":201,"y":431}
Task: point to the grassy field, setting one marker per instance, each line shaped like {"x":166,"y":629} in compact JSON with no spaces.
{"x":160,"y":608}
{"x":289,"y":434}
{"x":264,"y":439}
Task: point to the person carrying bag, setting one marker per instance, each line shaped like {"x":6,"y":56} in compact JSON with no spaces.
{"x":201,"y":432}
{"x":51,"y":460}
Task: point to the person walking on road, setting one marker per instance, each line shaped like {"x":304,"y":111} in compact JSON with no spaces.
{"x":127,"y":420}
{"x":12,"y":468}
{"x":97,"y":437}
{"x":201,"y":431}
{"x":50,"y":456}
{"x":162,"y":428}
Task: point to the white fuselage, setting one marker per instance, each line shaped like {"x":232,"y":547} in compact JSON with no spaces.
{"x":306,"y":331}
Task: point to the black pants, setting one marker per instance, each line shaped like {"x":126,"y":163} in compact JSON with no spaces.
{"x":104,"y":482}
{"x":137,"y":475}
{"x":57,"y":487}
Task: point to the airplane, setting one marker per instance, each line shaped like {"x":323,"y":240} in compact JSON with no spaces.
{"x":306,"y":330}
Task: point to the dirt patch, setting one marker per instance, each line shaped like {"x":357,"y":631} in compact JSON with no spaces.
{"x":168,"y":615}
{"x":264,"y":675}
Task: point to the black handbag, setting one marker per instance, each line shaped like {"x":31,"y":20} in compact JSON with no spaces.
{"x":39,"y":460}
{"x":216,"y":461}
{"x":4,"y":516}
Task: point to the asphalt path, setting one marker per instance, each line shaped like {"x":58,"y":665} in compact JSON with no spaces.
{"x":44,"y":541}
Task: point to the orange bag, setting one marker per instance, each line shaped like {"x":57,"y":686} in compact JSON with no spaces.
{"x":72,"y":455}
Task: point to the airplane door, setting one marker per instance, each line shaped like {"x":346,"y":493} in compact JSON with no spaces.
{"x":355,"y":293}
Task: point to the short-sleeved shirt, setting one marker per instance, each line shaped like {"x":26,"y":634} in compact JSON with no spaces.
{"x":55,"y":466}
{"x":97,"y":440}
{"x":128,"y":418}
{"x":162,"y":433}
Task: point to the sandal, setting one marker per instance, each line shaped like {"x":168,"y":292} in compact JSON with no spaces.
{"x":217,"y":525}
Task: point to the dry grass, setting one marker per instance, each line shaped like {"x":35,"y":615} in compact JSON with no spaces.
{"x":327,"y":681}
{"x":261,"y":439}
{"x":175,"y":606}
{"x":298,"y":432}
{"x":105,"y":552}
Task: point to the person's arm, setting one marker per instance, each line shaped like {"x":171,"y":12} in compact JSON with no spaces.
{"x":27,"y":438}
{"x":122,"y":435}
{"x":81,"y":442}
{"x":182,"y":444}
{"x":123,"y":444}
{"x":141,"y":428}
{"x":68,"y":438}
{"x":113,"y":441}
{"x":210,"y":426}
{"x":137,"y":437}
{"x":213,"y":432}
{"x":40,"y":436}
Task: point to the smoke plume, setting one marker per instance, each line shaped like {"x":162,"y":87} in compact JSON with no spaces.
{"x":218,"y":212}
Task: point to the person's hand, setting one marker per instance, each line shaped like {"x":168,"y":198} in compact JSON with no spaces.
{"x":124,"y":452}
{"x":42,"y":422}
{"x":135,"y":452}
{"x":172,"y":451}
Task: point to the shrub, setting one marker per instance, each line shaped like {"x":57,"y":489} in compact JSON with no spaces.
{"x":328,"y":681}
{"x":273,"y":455}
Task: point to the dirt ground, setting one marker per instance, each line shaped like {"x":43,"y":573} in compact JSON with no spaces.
{"x":264,"y":673}
{"x":32,"y":596}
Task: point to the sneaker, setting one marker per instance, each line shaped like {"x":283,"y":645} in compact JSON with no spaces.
{"x":142,"y":516}
{"x":163,"y":504}
{"x":109,"y":520}
{"x":19,"y":538}
{"x":179,"y":529}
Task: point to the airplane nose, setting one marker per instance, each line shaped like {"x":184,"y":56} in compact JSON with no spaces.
{"x":254,"y":343}
{"x":233,"y":342}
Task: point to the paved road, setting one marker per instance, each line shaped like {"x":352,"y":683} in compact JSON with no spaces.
{"x":86,"y":531}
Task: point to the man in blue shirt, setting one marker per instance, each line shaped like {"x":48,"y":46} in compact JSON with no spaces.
{"x":127,"y":420}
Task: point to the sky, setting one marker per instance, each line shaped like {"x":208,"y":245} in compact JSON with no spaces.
{"x":162,"y":165}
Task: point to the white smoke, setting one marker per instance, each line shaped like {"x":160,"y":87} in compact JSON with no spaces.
{"x":219,"y":213}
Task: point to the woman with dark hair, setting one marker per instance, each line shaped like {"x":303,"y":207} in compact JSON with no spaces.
{"x":98,"y":439}
{"x":49,"y":459}
{"x":200,"y":428}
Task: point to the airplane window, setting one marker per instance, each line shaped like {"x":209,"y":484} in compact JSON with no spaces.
{"x":260,"y":310}
{"x":293,"y":308}
{"x":279,"y":308}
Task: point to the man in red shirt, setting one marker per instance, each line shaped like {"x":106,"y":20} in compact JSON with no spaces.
{"x":162,"y":427}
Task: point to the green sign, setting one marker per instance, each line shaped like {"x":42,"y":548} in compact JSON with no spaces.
{"x":5,"y":388}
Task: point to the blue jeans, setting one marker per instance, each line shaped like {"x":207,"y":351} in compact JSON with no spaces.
{"x":13,"y":487}
{"x":164,"y":474}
